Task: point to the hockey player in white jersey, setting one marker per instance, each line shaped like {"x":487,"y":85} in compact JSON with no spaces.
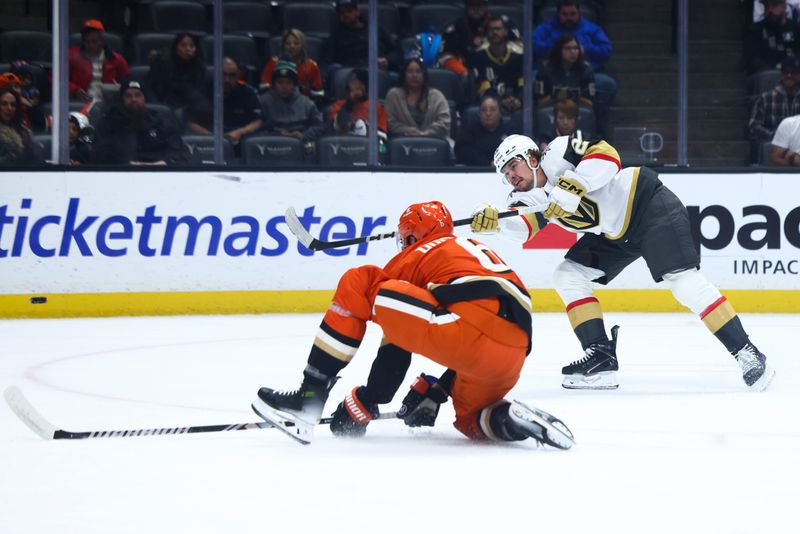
{"x":622,"y":214}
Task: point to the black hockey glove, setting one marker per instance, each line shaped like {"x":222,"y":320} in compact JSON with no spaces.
{"x":421,"y":404}
{"x":353,"y":414}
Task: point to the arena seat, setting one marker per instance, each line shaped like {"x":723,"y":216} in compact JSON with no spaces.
{"x":272,"y":151}
{"x":318,"y":20}
{"x":201,"y":149}
{"x":342,"y":150}
{"x":419,"y":151}
{"x":31,"y":46}
{"x":176,"y":16}
{"x":436,"y":17}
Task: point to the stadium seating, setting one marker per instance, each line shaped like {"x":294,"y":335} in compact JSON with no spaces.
{"x":272,"y":151}
{"x":201,"y":149}
{"x":179,"y":17}
{"x":31,"y":46}
{"x":318,"y":20}
{"x":433,"y":17}
{"x":342,"y":150}
{"x":419,"y":151}
{"x":145,"y":43}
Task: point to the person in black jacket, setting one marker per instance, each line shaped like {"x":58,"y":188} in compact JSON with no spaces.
{"x":129,"y":133}
{"x":475,"y":144}
{"x":178,"y":79}
{"x":351,"y":39}
{"x":772,"y":40}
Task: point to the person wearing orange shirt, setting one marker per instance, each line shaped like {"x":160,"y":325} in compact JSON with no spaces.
{"x":450,"y":299}
{"x":351,"y":115}
{"x":309,"y":78}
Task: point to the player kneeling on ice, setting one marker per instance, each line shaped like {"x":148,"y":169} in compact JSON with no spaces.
{"x":450,"y":299}
{"x":623,"y":214}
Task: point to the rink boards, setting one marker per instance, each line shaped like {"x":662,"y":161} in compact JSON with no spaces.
{"x":143,"y":243}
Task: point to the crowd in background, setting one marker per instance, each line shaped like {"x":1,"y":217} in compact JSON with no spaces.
{"x":458,"y":82}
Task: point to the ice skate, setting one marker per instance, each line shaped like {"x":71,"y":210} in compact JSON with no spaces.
{"x":540,"y":425}
{"x":597,"y":369}
{"x":297,"y":412}
{"x":755,"y":371}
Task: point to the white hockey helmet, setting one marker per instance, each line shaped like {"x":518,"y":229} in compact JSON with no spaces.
{"x":80,"y":119}
{"x":515,"y":146}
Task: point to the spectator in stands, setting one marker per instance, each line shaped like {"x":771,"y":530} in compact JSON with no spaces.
{"x":565,"y":122}
{"x":498,"y":67}
{"x":179,"y":78}
{"x":81,"y":137}
{"x":93,"y":63}
{"x":772,"y":40}
{"x":352,"y":43}
{"x":351,"y":115}
{"x":759,"y":10}
{"x":785,"y":151}
{"x":467,"y":35}
{"x":596,"y":50}
{"x":564,"y":74}
{"x":286,"y":111}
{"x":30,"y":95}
{"x":476,"y":143}
{"x":309,"y":78}
{"x":773,"y":106}
{"x":12,"y":81}
{"x":413,"y":108}
{"x":129,"y":133}
{"x":15,"y":139}
{"x":241,"y":110}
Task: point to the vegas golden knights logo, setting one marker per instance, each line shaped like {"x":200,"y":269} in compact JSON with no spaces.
{"x":587,"y":216}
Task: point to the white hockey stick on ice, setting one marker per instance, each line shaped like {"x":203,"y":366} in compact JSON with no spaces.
{"x":44,"y":429}
{"x":315,"y":244}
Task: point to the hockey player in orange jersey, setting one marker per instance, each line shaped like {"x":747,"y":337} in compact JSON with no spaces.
{"x":450,"y":299}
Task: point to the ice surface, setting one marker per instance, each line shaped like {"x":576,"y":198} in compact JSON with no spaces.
{"x":681,"y":447}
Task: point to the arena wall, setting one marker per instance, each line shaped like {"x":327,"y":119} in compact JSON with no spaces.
{"x":154,"y":243}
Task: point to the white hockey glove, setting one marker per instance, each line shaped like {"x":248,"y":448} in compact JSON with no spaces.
{"x":565,"y":196}
{"x":484,"y":220}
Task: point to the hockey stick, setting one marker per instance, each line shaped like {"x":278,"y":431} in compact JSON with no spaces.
{"x":28,"y":415}
{"x":315,"y":244}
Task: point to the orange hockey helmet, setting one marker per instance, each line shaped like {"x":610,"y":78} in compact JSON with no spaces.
{"x":422,"y":220}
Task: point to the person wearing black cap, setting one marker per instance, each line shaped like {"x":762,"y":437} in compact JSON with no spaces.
{"x":286,"y":111}
{"x":129,"y":133}
{"x":773,"y":106}
{"x":93,"y":63}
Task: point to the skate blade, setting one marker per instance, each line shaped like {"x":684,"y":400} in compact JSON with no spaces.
{"x":604,"y":380}
{"x":766,"y":379}
{"x":556,"y":433}
{"x":297,"y":429}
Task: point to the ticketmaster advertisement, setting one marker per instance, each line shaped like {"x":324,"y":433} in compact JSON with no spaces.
{"x":93,"y":232}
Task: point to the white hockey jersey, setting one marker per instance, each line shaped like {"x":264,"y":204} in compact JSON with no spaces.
{"x":606,"y":207}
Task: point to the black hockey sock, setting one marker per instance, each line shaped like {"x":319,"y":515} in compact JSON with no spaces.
{"x":387,"y":374}
{"x":322,"y":364}
{"x":732,"y":335}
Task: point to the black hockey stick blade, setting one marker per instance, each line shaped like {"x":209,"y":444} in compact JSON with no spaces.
{"x":312,"y":243}
{"x":23,"y":409}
